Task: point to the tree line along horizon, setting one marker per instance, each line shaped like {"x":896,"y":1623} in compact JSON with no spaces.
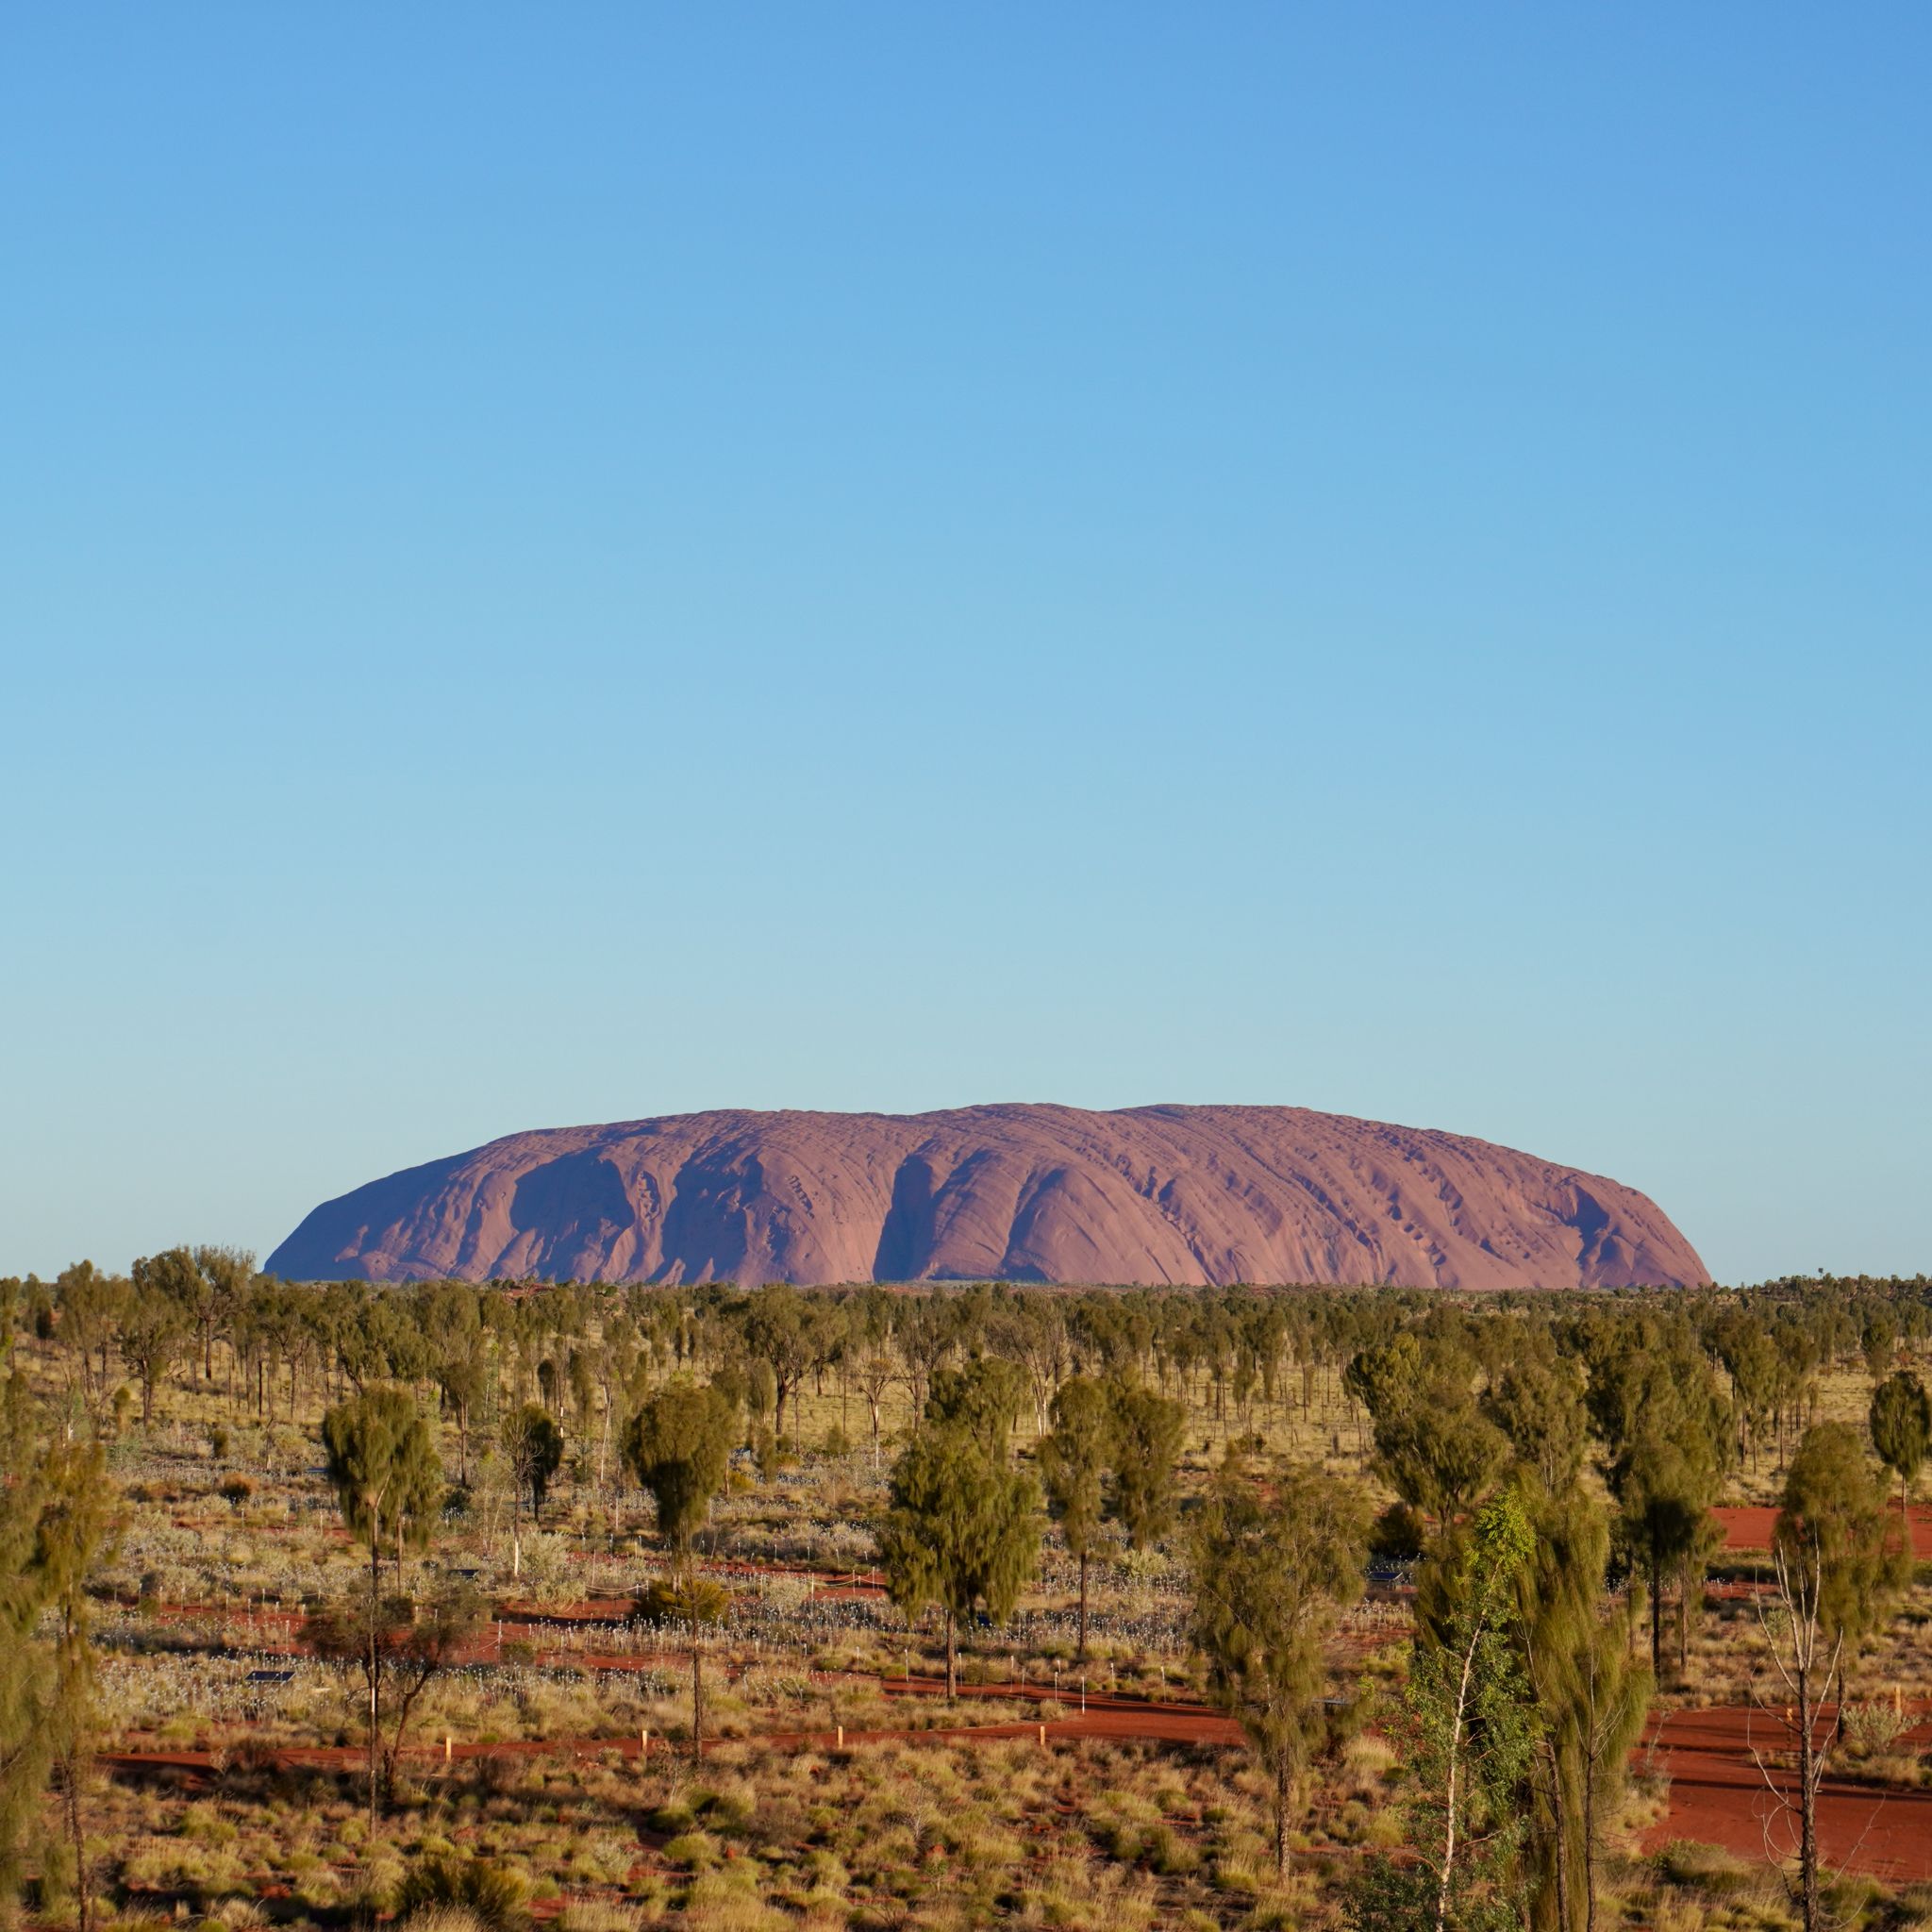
{"x":1542,"y":1465}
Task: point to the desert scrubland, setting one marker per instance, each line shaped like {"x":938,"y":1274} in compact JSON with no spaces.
{"x":471,"y":1605}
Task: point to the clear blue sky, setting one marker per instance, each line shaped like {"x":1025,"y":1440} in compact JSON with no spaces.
{"x":559,"y":564}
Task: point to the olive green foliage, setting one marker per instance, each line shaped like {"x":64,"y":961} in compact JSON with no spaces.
{"x":382,"y":1461}
{"x":1592,"y":1695}
{"x":1385,"y":1378}
{"x":1073,"y":1468}
{"x":388,"y":1479}
{"x":961,"y":1529}
{"x":679,"y":1446}
{"x":1901,"y":1424}
{"x":1537,"y":1404}
{"x":1832,"y":1530}
{"x":1434,"y":1447}
{"x":533,"y":1447}
{"x":1439,"y":1455}
{"x":495,"y":1894}
{"x":1146,"y":1447}
{"x":57,"y":1516}
{"x":782,"y":1330}
{"x":1273,"y":1568}
{"x":1468,"y":1732}
{"x":156,"y":1328}
{"x":984,"y":1398}
{"x":1655,"y":1401}
{"x":1752,"y":1359}
{"x":26,"y":1677}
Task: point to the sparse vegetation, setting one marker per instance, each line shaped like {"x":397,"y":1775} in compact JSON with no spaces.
{"x":316,"y":1676}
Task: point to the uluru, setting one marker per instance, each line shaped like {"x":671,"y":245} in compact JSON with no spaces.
{"x":1150,"y":1195}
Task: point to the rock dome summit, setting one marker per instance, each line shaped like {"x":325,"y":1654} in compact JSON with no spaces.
{"x":1192,"y":1197}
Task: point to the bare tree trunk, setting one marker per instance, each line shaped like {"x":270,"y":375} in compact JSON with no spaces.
{"x":375,"y":1663}
{"x":697,"y":1697}
{"x":1808,"y":1806}
{"x":1657,"y":1612}
{"x":83,"y":1881}
{"x":1083,"y":1606}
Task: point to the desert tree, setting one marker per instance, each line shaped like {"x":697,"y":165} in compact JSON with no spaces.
{"x":77,"y":1523}
{"x":781,"y":1330}
{"x":1832,"y":1527}
{"x":679,"y":1446}
{"x":1034,"y":1333}
{"x":1146,"y":1445}
{"x":90,"y":1303}
{"x":382,"y":1463}
{"x":1805,"y":1659}
{"x":1667,"y":1430}
{"x":460,"y":1357}
{"x":57,"y":1518}
{"x":399,"y":1648}
{"x":533,"y":1448}
{"x":1835,"y":1575}
{"x":1750,"y":1356}
{"x":1073,"y":1468}
{"x":1274,"y":1570}
{"x":154,"y":1331}
{"x":984,"y":1398}
{"x":1592,"y":1697}
{"x":26,"y":1677}
{"x":1879,"y":1339}
{"x":216,"y":1288}
{"x":1439,"y":1455}
{"x":1901,"y":1425}
{"x":961,"y":1529}
{"x":875,"y":1362}
{"x":1467,"y":1732}
{"x":1539,"y":1406}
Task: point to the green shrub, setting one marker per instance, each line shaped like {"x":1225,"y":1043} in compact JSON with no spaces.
{"x":1169,"y":1854}
{"x":697,"y":1849}
{"x":492,"y":1894}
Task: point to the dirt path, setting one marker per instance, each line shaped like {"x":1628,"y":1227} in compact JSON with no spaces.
{"x":1717,"y":1796}
{"x":1748,"y":1527}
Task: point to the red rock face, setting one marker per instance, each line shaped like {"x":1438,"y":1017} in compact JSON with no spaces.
{"x":1162,"y":1196}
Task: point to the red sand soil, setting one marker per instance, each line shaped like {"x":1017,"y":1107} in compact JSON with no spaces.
{"x":1750,"y":1527}
{"x":1719,"y":1797}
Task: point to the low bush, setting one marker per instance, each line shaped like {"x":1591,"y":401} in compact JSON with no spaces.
{"x":494,"y":1896}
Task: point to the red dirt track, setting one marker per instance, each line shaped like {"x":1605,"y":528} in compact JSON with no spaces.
{"x":1717,"y":1796}
{"x":1750,"y":1527}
